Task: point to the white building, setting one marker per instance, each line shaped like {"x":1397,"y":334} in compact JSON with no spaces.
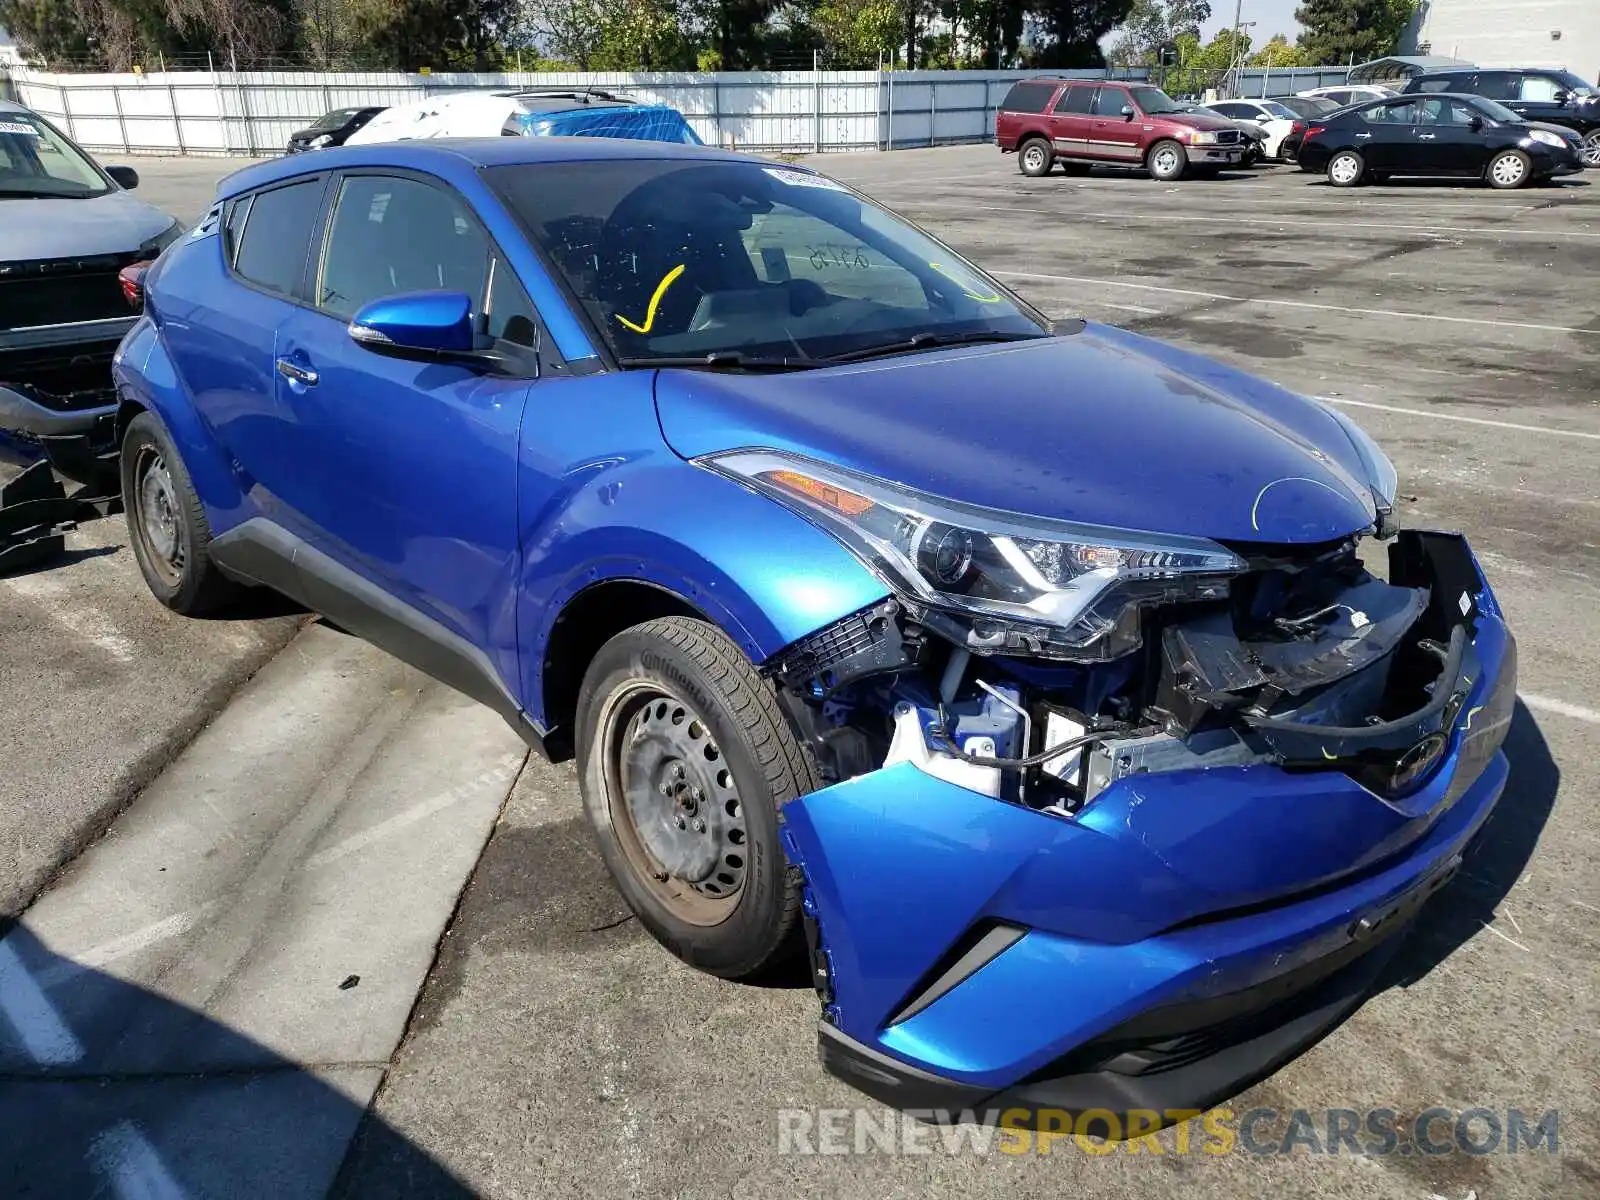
{"x":1512,"y":33}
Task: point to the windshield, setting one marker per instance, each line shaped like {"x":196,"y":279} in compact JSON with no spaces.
{"x":1576,"y":85}
{"x":1496,"y":111}
{"x":35,"y":160}
{"x":336,"y":119}
{"x":678,"y":258}
{"x":1153,"y":100}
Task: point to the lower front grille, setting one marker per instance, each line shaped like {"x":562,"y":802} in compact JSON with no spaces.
{"x":62,"y":291}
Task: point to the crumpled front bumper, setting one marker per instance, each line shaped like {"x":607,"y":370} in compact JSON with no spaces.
{"x":1183,"y":935}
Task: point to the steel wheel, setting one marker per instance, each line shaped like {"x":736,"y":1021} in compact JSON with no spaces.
{"x":1346,"y":169}
{"x":1034,"y":158}
{"x":1591,"y":149}
{"x":673,"y":803}
{"x":158,"y":519}
{"x":1508,"y":170}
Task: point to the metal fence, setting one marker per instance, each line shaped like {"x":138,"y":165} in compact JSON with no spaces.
{"x":253,"y":112}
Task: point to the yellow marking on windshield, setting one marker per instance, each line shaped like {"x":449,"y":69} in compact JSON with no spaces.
{"x":655,"y":302}
{"x":966,"y":288}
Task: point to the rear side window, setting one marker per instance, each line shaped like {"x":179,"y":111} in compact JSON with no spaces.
{"x":1400,"y":113}
{"x":1076,"y":100}
{"x":1497,"y":85}
{"x":1339,"y":97}
{"x":1028,"y":97}
{"x":1432,"y":85}
{"x":233,"y":227}
{"x":277,"y":229}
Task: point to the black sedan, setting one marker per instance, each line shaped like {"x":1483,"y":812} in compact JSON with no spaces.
{"x":331,"y":129}
{"x":1438,"y":135}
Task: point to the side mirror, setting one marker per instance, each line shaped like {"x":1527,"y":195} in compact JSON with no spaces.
{"x":1475,"y":124}
{"x":1562,"y":97}
{"x":1127,"y":111}
{"x":427,"y":327}
{"x":126,"y":177}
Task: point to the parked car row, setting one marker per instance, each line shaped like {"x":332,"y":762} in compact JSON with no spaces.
{"x":1448,"y":122}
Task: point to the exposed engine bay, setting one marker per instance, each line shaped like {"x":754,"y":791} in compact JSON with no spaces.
{"x":1306,"y":659}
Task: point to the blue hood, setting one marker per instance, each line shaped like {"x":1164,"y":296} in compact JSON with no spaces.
{"x":1104,"y":427}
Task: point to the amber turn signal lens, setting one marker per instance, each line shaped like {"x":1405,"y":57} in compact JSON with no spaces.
{"x":841,"y":501}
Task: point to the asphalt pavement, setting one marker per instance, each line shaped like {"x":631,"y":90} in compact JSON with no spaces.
{"x":181,"y":981}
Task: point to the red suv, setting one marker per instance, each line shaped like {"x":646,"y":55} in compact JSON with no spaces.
{"x":1079,"y":122}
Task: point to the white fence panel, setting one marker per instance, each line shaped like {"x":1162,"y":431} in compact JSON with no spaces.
{"x":254,"y":112}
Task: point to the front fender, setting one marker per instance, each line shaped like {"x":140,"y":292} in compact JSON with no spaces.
{"x":145,"y":376}
{"x":764,"y":575}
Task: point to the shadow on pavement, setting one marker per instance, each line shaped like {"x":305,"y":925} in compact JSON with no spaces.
{"x":1493,"y":863}
{"x":78,"y":1122}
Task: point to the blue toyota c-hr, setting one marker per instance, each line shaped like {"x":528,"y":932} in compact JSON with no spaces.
{"x":1022,"y":673}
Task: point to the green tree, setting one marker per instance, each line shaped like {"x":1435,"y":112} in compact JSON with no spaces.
{"x":47,"y":31}
{"x":1071,"y":30}
{"x":1339,"y":31}
{"x":1154,"y":26}
{"x":1278,"y":53}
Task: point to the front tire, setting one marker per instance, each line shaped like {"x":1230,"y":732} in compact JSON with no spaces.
{"x":1591,"y":149}
{"x":1035,"y":157}
{"x":685,"y":760}
{"x":1509,"y":169}
{"x":1346,"y":169}
{"x":1166,"y":161}
{"x":167,"y":524}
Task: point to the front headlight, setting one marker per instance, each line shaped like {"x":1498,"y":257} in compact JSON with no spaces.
{"x":994,"y":581}
{"x":151,"y":248}
{"x":1546,"y":137}
{"x":1203,"y":137}
{"x":322,"y":139}
{"x":1382,"y":478}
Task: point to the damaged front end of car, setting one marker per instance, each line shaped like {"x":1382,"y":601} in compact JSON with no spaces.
{"x":1119,"y":820}
{"x":58,"y":405}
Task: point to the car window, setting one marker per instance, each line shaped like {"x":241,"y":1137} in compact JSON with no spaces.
{"x":1230,"y":110}
{"x":1399,"y":113}
{"x":1497,"y":85}
{"x":1028,"y":97}
{"x":508,"y":313}
{"x":1438,"y":112}
{"x":1076,"y":100}
{"x":279,"y":222}
{"x":233,"y":227}
{"x":1340,"y":97}
{"x":391,"y":235}
{"x":1278,"y":110}
{"x":685,"y":258}
{"x":1432,"y":85}
{"x":1108,"y":102}
{"x":1540,"y":89}
{"x":36,"y":160}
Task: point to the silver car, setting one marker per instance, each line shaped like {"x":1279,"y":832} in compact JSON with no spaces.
{"x":68,"y":227}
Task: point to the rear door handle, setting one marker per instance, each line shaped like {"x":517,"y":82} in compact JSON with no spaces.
{"x":292,"y":370}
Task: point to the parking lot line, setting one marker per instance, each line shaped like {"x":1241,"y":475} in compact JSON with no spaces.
{"x":1278,"y":303}
{"x":1561,"y":708}
{"x":1441,"y":416}
{"x":1166,"y":217}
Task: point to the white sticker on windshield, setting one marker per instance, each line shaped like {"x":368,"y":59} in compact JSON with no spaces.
{"x":18,"y":127}
{"x":804,"y":179}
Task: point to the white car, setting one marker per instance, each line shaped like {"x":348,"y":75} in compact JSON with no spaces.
{"x":1275,"y":121}
{"x":534,"y":112}
{"x":1349,"y":93}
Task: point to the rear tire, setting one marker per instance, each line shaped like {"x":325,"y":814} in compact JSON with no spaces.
{"x":1166,"y":161}
{"x":1034,"y":157}
{"x":1507,"y":170}
{"x":167,"y":524}
{"x":1347,"y":169}
{"x":684,"y":759}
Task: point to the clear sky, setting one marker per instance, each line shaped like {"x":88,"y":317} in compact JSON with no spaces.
{"x":1270,"y":16}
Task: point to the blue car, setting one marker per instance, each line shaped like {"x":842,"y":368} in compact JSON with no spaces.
{"x":1024,"y":675}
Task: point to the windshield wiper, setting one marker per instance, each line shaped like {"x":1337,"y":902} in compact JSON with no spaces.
{"x":719,"y":360}
{"x":930,"y":341}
